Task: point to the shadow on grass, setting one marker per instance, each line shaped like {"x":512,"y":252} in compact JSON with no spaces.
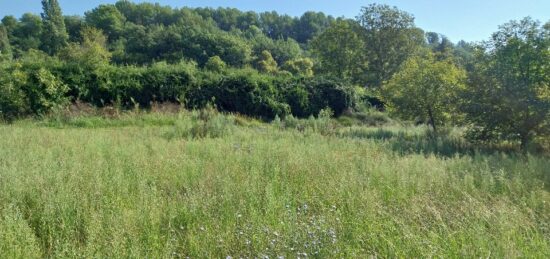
{"x":94,"y":122}
{"x":423,"y":142}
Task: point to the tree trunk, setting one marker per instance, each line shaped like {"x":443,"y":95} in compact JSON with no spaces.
{"x":525,"y":139}
{"x":432,"y":120}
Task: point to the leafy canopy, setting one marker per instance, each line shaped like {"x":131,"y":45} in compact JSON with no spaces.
{"x":425,"y":89}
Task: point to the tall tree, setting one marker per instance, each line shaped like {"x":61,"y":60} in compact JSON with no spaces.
{"x":107,"y":18}
{"x":509,"y":95}
{"x":309,"y":25}
{"x":440,"y":45}
{"x":54,"y":33}
{"x":340,"y":52}
{"x":5,"y":47}
{"x":27,"y":33}
{"x":391,"y":37}
{"x":9,"y":22}
{"x":425,"y":89}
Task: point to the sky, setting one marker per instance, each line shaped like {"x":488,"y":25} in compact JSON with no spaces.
{"x":470,"y":20}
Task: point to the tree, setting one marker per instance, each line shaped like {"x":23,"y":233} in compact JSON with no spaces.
{"x":509,"y":94}
{"x":464,"y":54}
{"x":440,"y":45}
{"x":54,"y":33}
{"x":5,"y":47}
{"x":215,"y":64}
{"x":9,"y":23}
{"x":340,"y":52}
{"x":27,"y":33}
{"x":391,"y":38}
{"x":265,"y":63}
{"x":300,"y":67}
{"x":424,"y":89}
{"x":74,"y":24}
{"x":277,"y":26}
{"x":309,"y":25}
{"x":282,"y":50}
{"x":107,"y":18}
{"x":84,"y":61}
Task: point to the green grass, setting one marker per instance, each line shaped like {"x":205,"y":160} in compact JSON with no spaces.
{"x":94,"y":187}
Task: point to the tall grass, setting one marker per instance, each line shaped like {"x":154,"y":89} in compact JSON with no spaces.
{"x":129,"y":191}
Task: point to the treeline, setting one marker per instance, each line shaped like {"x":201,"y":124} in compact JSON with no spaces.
{"x":268,"y":64}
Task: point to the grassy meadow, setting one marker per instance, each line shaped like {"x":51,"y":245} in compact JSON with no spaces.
{"x":197,"y":185}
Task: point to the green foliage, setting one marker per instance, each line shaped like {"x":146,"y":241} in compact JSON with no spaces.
{"x":9,"y":23}
{"x":204,"y":123}
{"x":91,"y":52}
{"x":54,"y":33}
{"x":134,"y":54}
{"x":215,"y":64}
{"x":322,"y":124}
{"x":440,"y":45}
{"x":282,"y":50}
{"x":391,"y":38}
{"x":30,"y":86}
{"x":130,"y":85}
{"x":300,"y":67}
{"x":340,"y":52}
{"x":366,"y":117}
{"x":5,"y":47}
{"x":310,"y":25}
{"x":265,"y":63}
{"x":74,"y":24}
{"x":106,"y":18}
{"x":28,"y":32}
{"x":425,"y":90}
{"x":308,"y":96}
{"x":509,"y":93}
{"x":13,"y":101}
{"x":85,"y":62}
{"x":242,"y":91}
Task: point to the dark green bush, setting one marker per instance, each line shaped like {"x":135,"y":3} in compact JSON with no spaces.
{"x":242,"y":91}
{"x":308,"y":96}
{"x":37,"y":83}
{"x":130,"y":85}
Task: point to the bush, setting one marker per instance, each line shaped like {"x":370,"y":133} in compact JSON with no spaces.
{"x":215,"y":64}
{"x":309,"y":96}
{"x":242,"y":91}
{"x":204,"y":123}
{"x":131,"y":85}
{"x":323,"y":124}
{"x":13,"y":101}
{"x":31,"y":86}
{"x":37,"y":83}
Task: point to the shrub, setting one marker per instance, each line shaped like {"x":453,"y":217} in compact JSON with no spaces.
{"x":204,"y":123}
{"x":13,"y":101}
{"x":323,"y":124}
{"x":300,"y":67}
{"x":215,"y":64}
{"x":309,"y":96}
{"x":30,"y":86}
{"x":131,"y":85}
{"x":242,"y":91}
{"x":167,"y":83}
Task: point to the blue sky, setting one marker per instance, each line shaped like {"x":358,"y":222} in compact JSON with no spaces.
{"x":471,"y":20}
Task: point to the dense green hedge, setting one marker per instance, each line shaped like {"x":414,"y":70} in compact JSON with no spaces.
{"x":37,"y":83}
